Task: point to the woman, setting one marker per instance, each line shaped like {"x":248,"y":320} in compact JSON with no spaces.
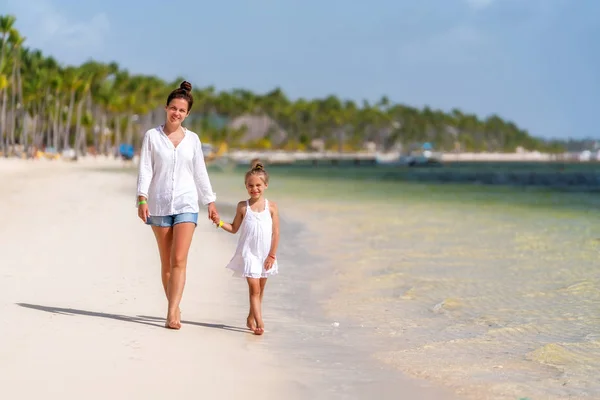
{"x":172,"y":180}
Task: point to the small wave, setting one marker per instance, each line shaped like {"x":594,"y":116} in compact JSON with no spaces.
{"x":447,"y":305}
{"x":567,"y":355}
{"x":583,"y":287}
{"x":512,"y":332}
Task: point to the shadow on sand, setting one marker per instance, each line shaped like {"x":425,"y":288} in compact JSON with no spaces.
{"x":139,"y":319}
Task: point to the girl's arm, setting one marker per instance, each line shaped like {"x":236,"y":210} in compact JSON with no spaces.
{"x":275,"y":235}
{"x":237,"y":220}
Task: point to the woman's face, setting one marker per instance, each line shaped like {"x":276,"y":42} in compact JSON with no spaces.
{"x":177,"y":110}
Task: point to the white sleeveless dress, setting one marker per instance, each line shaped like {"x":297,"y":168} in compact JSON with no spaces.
{"x":254,"y":245}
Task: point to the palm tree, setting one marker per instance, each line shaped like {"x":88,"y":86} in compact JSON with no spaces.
{"x":7,"y":23}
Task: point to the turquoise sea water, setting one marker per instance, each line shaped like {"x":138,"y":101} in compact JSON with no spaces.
{"x":492,"y":291}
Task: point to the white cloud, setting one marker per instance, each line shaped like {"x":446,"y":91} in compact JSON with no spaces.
{"x":49,"y":29}
{"x":479,"y":4}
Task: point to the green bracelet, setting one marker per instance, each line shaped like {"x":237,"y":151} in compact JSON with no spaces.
{"x":141,"y":202}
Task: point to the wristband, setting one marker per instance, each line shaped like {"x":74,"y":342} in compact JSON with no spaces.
{"x":142,"y":202}
{"x":272,"y":256}
{"x":221,"y":224}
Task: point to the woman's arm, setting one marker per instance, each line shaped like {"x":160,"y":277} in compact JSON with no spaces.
{"x":145,"y":170}
{"x":237,"y":220}
{"x":205,"y":191}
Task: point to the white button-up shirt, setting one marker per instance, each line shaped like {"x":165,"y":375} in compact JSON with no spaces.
{"x":173,"y":179}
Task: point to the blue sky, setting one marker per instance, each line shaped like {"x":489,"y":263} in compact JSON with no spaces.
{"x":535,"y":62}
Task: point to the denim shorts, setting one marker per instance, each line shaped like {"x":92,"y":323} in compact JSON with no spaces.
{"x":170,"y":220}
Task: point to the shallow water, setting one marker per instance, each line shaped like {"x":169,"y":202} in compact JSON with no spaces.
{"x":504,"y":301}
{"x":493,"y":292}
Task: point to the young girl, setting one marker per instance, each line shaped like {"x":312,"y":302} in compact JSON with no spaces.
{"x":254,"y":257}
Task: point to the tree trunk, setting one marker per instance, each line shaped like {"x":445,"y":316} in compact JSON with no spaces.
{"x":13,"y":103}
{"x":56,"y":125}
{"x":78,"y":128}
{"x":103,"y":139}
{"x":67,"y":128}
{"x":117,"y":142}
{"x":3,"y":119}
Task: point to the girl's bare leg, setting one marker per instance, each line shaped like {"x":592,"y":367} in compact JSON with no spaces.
{"x":263,"y":282}
{"x":182,"y":239}
{"x":254,"y":288}
{"x":251,"y":321}
{"x":164,"y":239}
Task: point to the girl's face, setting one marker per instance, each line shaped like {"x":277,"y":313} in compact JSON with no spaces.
{"x":255,"y":186}
{"x":177,"y":110}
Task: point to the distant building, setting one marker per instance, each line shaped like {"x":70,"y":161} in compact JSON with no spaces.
{"x":259,"y":127}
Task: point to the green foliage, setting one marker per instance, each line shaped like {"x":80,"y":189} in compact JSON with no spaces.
{"x":261,"y":144}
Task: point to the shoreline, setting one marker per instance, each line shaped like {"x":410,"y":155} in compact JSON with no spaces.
{"x":286,"y":156}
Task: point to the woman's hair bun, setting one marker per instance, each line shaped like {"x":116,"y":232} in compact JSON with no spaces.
{"x":185,"y":85}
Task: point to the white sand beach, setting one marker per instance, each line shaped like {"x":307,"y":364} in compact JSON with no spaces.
{"x":82,"y":304}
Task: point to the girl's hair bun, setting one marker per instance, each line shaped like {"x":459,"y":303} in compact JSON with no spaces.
{"x":257,"y":166}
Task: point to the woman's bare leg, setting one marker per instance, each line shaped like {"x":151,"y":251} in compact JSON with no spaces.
{"x":182,"y":239}
{"x":164,"y":239}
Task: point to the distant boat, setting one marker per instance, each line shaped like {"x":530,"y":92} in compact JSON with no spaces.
{"x":424,"y":156}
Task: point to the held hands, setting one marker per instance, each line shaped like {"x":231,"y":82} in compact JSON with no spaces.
{"x":269,"y":262}
{"x":213,"y":215}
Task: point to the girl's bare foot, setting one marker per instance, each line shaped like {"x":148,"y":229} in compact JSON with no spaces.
{"x":259,"y":330}
{"x":251,"y":323}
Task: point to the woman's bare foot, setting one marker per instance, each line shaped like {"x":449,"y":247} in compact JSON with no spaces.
{"x":251,"y":323}
{"x":174,"y":323}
